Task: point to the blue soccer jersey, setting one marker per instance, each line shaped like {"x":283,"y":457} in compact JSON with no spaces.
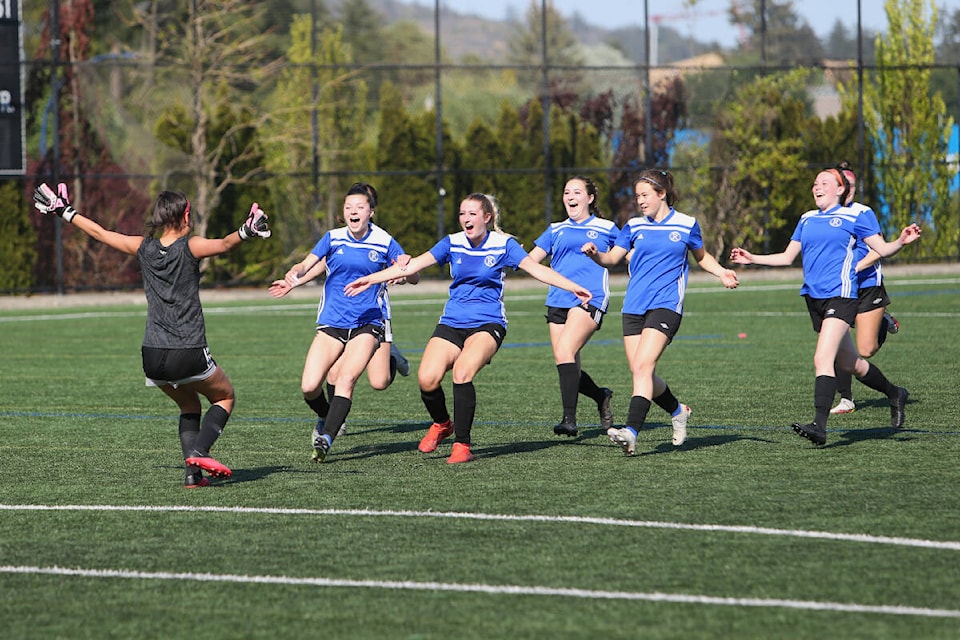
{"x":659,"y":266}
{"x":347,"y":260}
{"x":828,"y":241}
{"x":872,"y":276}
{"x":476,"y":293}
{"x":562,"y":241}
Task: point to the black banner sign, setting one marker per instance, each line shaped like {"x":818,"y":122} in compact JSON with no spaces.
{"x":12,"y":152}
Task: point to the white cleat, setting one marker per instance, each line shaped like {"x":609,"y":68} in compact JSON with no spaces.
{"x":844,"y":406}
{"x":627,"y":441}
{"x":679,"y":422}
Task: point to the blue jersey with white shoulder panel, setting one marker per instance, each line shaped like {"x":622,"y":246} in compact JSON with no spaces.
{"x":659,"y":265}
{"x":828,"y":241}
{"x":562,"y":241}
{"x":872,"y":276}
{"x":347,"y":260}
{"x":476,"y":293}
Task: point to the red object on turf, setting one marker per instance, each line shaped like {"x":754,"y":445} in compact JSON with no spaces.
{"x":461,"y":453}
{"x":435,"y":434}
{"x":211,"y":466}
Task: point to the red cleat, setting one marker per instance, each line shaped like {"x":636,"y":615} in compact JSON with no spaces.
{"x":208,"y":464}
{"x":461,"y":453}
{"x":435,"y":434}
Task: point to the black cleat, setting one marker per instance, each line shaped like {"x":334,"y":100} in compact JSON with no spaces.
{"x":567,"y":427}
{"x":606,"y":413}
{"x":898,"y":405}
{"x":813,"y":433}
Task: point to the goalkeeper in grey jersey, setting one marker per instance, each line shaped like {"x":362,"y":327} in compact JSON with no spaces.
{"x":175,"y":354}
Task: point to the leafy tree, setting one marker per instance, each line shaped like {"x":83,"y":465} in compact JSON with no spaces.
{"x":317,"y":117}
{"x":18,"y":251}
{"x":776,"y":33}
{"x":757,"y":192}
{"x":219,"y":47}
{"x":81,"y":149}
{"x":943,"y":79}
{"x":909,"y":129}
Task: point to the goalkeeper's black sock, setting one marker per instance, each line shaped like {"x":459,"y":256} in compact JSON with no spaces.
{"x":436,"y":403}
{"x":189,"y":428}
{"x":211,"y":428}
{"x":339,"y":408}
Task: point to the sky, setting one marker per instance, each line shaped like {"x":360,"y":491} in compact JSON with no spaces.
{"x":707,"y":21}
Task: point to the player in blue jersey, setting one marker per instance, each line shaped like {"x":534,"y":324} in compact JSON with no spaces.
{"x":385,"y":363}
{"x":175,"y":354}
{"x":349,"y":330}
{"x":873,"y":322}
{"x":658,"y":240}
{"x":474,"y":321}
{"x":826,"y":238}
{"x":570,"y":323}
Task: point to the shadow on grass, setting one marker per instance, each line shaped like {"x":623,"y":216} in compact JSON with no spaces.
{"x":854,"y":436}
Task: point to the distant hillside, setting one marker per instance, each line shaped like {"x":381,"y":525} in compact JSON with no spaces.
{"x":463,"y":34}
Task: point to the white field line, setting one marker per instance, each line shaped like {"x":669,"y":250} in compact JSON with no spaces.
{"x":610,"y":522}
{"x":489,"y":589}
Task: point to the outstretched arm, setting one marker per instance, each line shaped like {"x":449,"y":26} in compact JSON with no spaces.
{"x":908,"y":234}
{"x":301,"y":273}
{"x":547,"y":275}
{"x":604,"y":258}
{"x":399,"y":270}
{"x":47,"y":201}
{"x":255,"y":226}
{"x":709,"y":264}
{"x":782,"y":259}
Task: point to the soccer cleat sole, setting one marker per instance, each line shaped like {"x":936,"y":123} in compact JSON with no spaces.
{"x":210,"y":465}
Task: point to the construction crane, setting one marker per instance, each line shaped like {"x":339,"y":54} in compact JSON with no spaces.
{"x":690,"y":16}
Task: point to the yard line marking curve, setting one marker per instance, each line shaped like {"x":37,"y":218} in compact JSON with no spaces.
{"x":947,"y":545}
{"x":489,"y":589}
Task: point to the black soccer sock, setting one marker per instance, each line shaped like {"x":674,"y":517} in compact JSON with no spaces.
{"x":319,"y":405}
{"x":189,"y":428}
{"x":331,"y":391}
{"x":637,"y":414}
{"x":882,"y":335}
{"x":875,"y":379}
{"x":590,"y":388}
{"x":211,"y":428}
{"x":824,"y":388}
{"x":339,"y":408}
{"x":393,"y":368}
{"x":436,"y":403}
{"x":667,"y":401}
{"x":845,"y":384}
{"x":464,"y":409}
{"x":569,"y":383}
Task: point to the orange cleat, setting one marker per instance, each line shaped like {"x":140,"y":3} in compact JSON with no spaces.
{"x":436,"y":433}
{"x":461,"y":453}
